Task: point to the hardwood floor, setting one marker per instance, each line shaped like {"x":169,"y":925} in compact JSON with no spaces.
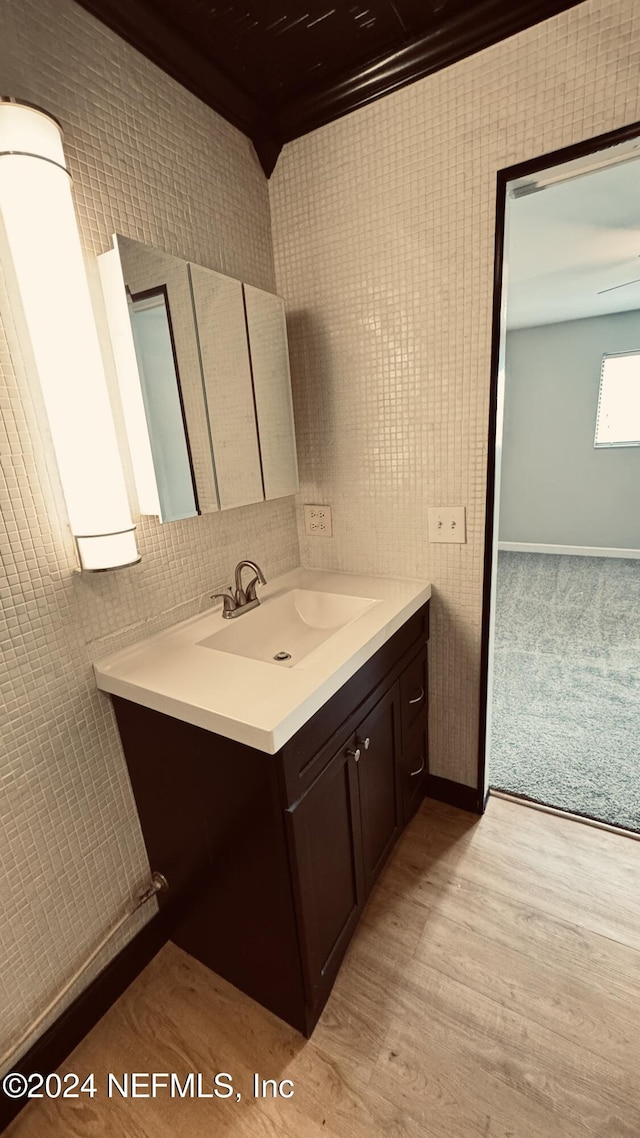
{"x":491,"y":991}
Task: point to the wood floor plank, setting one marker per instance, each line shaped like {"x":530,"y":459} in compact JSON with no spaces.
{"x":491,"y":991}
{"x":612,"y":966}
{"x":564,"y":884}
{"x":570,"y":1003}
{"x":508,"y":1060}
{"x":469,"y":1101}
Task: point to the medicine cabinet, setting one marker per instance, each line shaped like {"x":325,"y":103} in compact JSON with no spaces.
{"x":203,"y":368}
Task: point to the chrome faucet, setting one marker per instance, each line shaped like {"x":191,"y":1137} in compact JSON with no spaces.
{"x":248,"y":596}
{"x":234,"y":604}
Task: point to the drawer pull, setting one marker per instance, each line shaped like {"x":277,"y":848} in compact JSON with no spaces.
{"x":414,"y":774}
{"x":418,"y":698}
{"x":354,"y":754}
{"x":364,"y":743}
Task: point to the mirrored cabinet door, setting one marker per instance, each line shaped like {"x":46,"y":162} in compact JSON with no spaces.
{"x":226,"y":372}
{"x":150,"y":318}
{"x":151,"y":273}
{"x":203,"y":368}
{"x":272,"y":388}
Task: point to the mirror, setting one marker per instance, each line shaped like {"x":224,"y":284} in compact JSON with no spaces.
{"x":162,"y":396}
{"x":203,"y":367}
{"x":226,"y":372}
{"x":267,"y":330}
{"x":149,"y":271}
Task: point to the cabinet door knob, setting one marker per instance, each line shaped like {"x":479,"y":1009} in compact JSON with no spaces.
{"x":364,"y":743}
{"x":414,"y":774}
{"x":355,"y":754}
{"x":418,"y":698}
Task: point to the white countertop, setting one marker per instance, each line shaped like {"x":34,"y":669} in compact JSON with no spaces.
{"x":255,"y":702}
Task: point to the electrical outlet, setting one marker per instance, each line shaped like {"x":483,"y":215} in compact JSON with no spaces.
{"x":448,"y":523}
{"x":317,"y":521}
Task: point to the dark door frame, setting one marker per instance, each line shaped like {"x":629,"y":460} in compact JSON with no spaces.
{"x":504,"y":176}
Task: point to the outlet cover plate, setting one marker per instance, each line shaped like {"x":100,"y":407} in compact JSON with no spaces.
{"x":317,"y":521}
{"x":448,"y":523}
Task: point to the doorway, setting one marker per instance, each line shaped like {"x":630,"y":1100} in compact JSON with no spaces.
{"x":561,"y":622}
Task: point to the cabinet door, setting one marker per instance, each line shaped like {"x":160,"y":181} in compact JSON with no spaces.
{"x":378,"y":739}
{"x":272,"y":389}
{"x":151,"y":274}
{"x":226,"y":374}
{"x":327,"y":868}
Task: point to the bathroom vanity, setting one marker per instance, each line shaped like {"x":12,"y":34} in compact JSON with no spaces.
{"x":280,"y":818}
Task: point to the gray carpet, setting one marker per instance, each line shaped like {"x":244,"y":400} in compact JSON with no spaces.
{"x":566,"y":697}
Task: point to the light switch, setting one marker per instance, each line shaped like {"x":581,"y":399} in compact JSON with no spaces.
{"x":448,"y":523}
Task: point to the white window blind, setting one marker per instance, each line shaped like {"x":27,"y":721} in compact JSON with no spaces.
{"x":618,"y":418}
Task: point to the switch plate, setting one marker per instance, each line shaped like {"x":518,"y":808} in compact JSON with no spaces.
{"x":448,"y":523}
{"x":317,"y":521}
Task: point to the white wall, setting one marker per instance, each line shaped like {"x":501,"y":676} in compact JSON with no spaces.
{"x":153,"y":163}
{"x":383,"y":229}
{"x":557,"y":488}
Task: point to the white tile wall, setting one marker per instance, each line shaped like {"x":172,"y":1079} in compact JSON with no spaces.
{"x":383,"y":228}
{"x":151,"y":162}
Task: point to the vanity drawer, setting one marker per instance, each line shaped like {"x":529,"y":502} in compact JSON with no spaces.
{"x":413,"y":691}
{"x":413,"y":769}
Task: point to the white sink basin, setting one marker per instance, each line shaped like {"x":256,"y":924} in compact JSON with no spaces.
{"x":239,"y":691}
{"x":288,"y":626}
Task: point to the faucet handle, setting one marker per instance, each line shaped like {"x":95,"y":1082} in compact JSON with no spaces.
{"x":229,"y":603}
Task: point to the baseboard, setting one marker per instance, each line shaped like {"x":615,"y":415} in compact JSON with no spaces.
{"x":456,"y":794}
{"x":566,"y":550}
{"x":71,"y":1026}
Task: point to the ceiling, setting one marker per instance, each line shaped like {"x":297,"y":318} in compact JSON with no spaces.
{"x":571,"y":244}
{"x":279,"y":68}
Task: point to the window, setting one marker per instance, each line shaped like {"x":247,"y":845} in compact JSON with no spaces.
{"x":618,"y":418}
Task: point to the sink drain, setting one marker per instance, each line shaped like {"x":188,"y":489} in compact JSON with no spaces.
{"x":282,"y":656}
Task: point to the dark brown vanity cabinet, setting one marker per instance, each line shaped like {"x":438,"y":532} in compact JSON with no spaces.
{"x":326,"y":869}
{"x":341,"y":832}
{"x":277,"y":854}
{"x":378,"y":741}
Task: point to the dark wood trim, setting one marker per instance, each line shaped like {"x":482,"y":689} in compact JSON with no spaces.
{"x":267,"y":147}
{"x":455,"y":39}
{"x":455,"y":794}
{"x":59,"y":1040}
{"x":564,"y":154}
{"x":147,"y":30}
{"x":498,"y":265}
{"x":509,"y":174}
{"x":269,"y":127}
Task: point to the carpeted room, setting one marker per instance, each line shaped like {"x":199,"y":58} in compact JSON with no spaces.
{"x":565,"y":728}
{"x":566,"y":663}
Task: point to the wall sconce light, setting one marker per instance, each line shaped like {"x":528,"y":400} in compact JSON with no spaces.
{"x":41,"y":258}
